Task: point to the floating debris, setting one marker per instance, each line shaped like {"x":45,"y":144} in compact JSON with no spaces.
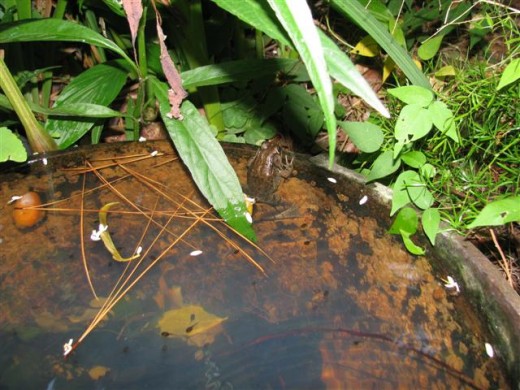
{"x":451,"y":283}
{"x":489,"y":350}
{"x":67,"y":347}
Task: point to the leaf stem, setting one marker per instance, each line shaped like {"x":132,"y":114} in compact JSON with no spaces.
{"x":39,"y":139}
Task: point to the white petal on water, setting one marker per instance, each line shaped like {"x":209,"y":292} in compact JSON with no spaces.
{"x":332,"y":180}
{"x":363,"y":200}
{"x":14,"y":198}
{"x":196,"y":252}
{"x":489,"y":350}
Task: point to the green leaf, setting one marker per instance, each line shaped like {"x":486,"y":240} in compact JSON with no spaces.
{"x":427,"y":171}
{"x":413,"y":123}
{"x":443,"y":119}
{"x":412,"y":94}
{"x":431,"y":220}
{"x":344,"y":71}
{"x":405,"y":224}
{"x":85,"y":110}
{"x":410,"y":245}
{"x":498,"y":213}
{"x":57,"y":30}
{"x":297,"y":20}
{"x":430,"y":47}
{"x":510,"y":75}
{"x":414,"y":159}
{"x":405,"y":221}
{"x":98,"y":85}
{"x":242,"y":70}
{"x":408,"y":188}
{"x":378,"y":31}
{"x":301,"y":113}
{"x":383,"y":166}
{"x":11,"y":147}
{"x":258,"y":14}
{"x":206,"y":161}
{"x":400,"y":197}
{"x":366,"y":136}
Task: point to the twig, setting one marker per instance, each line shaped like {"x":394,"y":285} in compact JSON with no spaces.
{"x":506,"y":267}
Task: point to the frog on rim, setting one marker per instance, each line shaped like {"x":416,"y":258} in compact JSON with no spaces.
{"x":266,"y":169}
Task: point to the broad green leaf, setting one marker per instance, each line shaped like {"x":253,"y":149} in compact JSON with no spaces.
{"x":98,"y":85}
{"x":430,"y":47}
{"x":40,"y":30}
{"x":431,"y":220}
{"x":400,"y":197}
{"x":510,"y":75}
{"x":379,"y":32}
{"x":498,"y":213}
{"x":412,"y":94}
{"x":297,"y":20}
{"x":427,"y":171}
{"x":383,"y":166}
{"x":405,"y":221}
{"x":301,"y":113}
{"x":409,"y":187}
{"x":414,"y":159}
{"x":443,"y":119}
{"x":11,"y":147}
{"x":366,"y":136}
{"x":413,"y":123}
{"x":205,"y":159}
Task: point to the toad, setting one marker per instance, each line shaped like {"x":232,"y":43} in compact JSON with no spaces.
{"x":266,"y":170}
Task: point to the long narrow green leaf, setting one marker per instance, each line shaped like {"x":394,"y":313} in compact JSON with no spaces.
{"x":205,"y":159}
{"x":57,"y":30}
{"x":363,"y":18}
{"x":242,"y":70}
{"x":297,"y":20}
{"x":86,"y":110}
{"x":98,"y":85}
{"x":343,"y":70}
{"x":258,"y":14}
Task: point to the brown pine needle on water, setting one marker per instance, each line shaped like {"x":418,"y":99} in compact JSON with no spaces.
{"x":184,"y":208}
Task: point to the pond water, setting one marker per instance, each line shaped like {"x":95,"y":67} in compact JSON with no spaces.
{"x":333,"y":302}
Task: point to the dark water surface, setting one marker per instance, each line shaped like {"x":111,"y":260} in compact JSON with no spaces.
{"x":341,"y":304}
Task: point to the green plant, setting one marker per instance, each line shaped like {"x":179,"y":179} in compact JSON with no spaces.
{"x":79,"y":108}
{"x":11,"y":147}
